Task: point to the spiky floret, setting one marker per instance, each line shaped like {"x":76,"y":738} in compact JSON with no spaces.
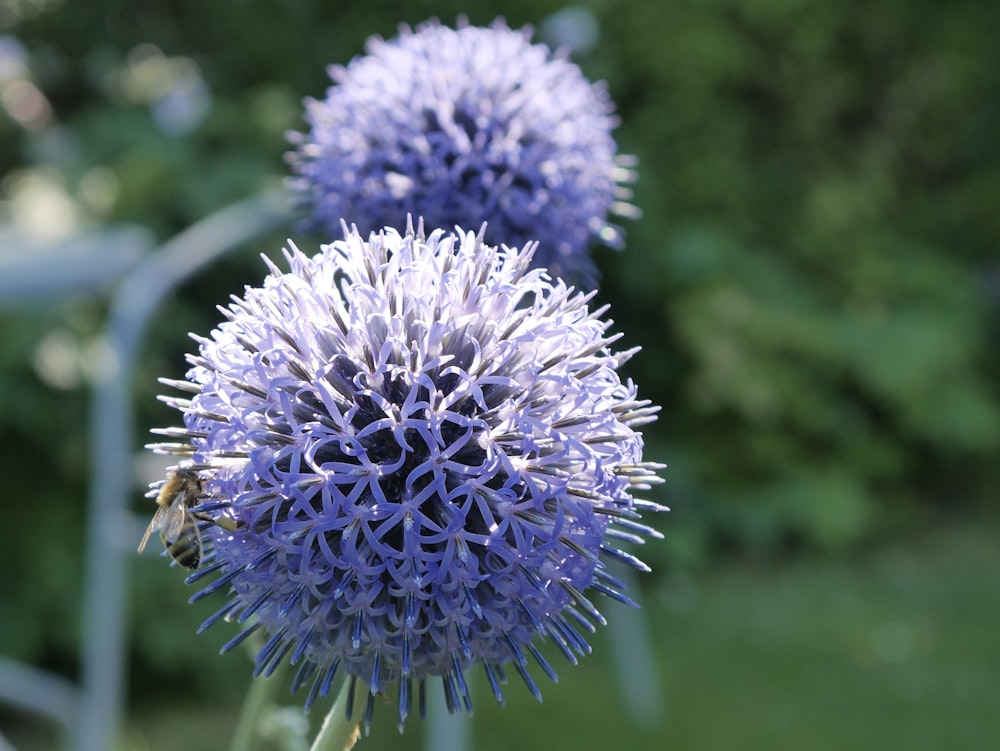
{"x":464,"y":126}
{"x":427,"y":453}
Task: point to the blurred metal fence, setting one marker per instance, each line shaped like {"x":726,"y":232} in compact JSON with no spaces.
{"x":91,"y":714}
{"x":35,"y":273}
{"x":140,"y":293}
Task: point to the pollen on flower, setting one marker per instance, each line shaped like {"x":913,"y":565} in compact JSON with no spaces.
{"x":429,"y":455}
{"x":465,"y":126}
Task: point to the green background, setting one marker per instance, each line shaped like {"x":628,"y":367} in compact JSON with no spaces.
{"x":814,"y":283}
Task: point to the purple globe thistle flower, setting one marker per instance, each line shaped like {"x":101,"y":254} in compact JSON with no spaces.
{"x":465,"y":126}
{"x":418,"y":454}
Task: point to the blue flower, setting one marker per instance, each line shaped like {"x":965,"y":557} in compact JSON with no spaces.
{"x":465,"y":126}
{"x":423,"y":455}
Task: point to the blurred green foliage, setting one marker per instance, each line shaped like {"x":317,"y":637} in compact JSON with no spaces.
{"x":814,"y":282}
{"x":894,"y":648}
{"x":816,"y":270}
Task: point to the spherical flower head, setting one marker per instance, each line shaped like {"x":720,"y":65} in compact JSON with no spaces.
{"x":465,"y":126}
{"x":423,"y":453}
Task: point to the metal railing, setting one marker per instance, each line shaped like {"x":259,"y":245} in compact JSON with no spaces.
{"x":141,"y":292}
{"x":91,"y":713}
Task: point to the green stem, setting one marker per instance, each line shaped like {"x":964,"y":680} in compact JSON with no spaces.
{"x":258,"y":698}
{"x":337,"y":733}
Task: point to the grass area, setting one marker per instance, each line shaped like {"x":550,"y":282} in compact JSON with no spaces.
{"x":897,"y":648}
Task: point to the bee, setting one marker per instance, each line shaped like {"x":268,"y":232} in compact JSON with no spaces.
{"x":177,"y":523}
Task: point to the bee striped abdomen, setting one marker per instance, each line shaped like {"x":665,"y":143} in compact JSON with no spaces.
{"x":186,"y":550}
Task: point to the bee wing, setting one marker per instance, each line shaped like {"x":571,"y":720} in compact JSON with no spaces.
{"x":175,"y":515}
{"x":157,"y":522}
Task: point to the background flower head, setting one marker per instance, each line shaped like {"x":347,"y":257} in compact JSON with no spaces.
{"x":429,"y":453}
{"x":464,"y":126}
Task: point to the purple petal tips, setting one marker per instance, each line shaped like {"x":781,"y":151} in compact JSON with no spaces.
{"x":465,"y":126}
{"x":415,"y":451}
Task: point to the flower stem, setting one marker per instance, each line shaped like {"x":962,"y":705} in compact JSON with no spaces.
{"x":258,"y":697}
{"x":337,"y":733}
